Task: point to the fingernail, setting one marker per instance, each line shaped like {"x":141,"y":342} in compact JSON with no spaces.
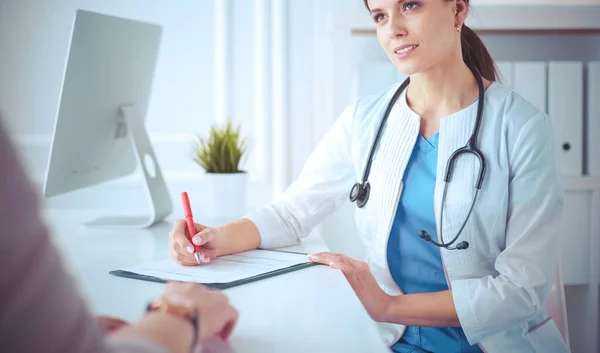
{"x":205,"y":260}
{"x":197,"y":240}
{"x":313,"y":257}
{"x":190,"y":249}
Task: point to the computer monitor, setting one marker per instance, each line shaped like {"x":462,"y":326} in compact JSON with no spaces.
{"x":99,"y":133}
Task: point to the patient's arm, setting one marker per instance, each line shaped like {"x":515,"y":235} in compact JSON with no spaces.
{"x":40,"y":308}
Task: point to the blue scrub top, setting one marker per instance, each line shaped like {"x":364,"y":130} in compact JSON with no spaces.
{"x":415,"y":264}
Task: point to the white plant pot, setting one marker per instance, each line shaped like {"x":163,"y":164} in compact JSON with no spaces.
{"x":228,"y":195}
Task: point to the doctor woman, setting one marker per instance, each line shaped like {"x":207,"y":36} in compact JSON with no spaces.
{"x":458,"y":198}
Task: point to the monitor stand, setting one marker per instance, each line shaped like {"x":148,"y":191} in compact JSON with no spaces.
{"x":155,"y":188}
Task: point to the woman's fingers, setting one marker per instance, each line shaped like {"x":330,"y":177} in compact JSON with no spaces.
{"x":341,"y":265}
{"x":178,"y":234}
{"x":327,"y":258}
{"x":216,"y":314}
{"x":347,"y":265}
{"x":182,"y":250}
{"x":230,"y":325}
{"x":206,"y":254}
{"x":183,"y":259}
{"x":111,"y":324}
{"x":187,"y":252}
{"x":186,"y":256}
{"x":204,"y":236}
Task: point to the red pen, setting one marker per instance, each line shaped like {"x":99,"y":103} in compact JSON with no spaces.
{"x":189,"y":220}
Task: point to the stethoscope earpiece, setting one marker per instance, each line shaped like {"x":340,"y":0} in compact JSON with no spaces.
{"x":424,"y":235}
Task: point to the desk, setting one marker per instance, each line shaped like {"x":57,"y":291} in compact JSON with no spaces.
{"x":311,"y":310}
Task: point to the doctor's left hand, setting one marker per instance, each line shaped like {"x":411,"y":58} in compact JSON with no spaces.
{"x":358,"y":274}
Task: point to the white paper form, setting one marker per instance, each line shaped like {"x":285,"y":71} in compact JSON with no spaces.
{"x":222,"y":269}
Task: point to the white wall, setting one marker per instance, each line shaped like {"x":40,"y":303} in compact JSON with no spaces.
{"x":34,"y":37}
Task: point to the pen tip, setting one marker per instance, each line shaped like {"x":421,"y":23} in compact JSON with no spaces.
{"x":197,"y":256}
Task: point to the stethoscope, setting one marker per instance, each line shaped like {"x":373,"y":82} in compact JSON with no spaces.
{"x":360,"y":191}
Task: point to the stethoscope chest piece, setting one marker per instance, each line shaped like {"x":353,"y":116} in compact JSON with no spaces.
{"x":360,"y":193}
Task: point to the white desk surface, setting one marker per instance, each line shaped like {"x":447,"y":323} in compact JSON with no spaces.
{"x":310,"y":310}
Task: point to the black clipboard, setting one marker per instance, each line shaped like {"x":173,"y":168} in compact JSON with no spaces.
{"x":225,"y":285}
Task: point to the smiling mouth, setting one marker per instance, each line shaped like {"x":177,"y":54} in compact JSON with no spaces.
{"x":405,"y":50}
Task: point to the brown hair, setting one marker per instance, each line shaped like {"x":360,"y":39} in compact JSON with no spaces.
{"x":474,"y":52}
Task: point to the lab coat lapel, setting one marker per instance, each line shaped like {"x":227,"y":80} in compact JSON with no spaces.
{"x":392,"y":156}
{"x":455,"y":131}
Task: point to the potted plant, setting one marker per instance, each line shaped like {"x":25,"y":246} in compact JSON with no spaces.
{"x":220,"y":156}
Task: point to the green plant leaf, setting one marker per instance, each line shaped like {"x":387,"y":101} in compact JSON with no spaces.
{"x":222,"y":151}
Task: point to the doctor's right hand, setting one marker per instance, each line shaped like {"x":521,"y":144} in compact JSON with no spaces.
{"x":182,"y":249}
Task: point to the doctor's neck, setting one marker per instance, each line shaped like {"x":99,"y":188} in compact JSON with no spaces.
{"x":445,"y":88}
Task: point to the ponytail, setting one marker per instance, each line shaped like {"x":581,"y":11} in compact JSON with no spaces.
{"x":476,"y":55}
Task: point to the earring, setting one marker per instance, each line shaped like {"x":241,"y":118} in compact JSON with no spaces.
{"x":458,"y":28}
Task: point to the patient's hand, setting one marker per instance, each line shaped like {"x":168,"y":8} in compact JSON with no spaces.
{"x":110,"y":324}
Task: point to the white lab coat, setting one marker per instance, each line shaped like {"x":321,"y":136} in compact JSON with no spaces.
{"x":500,"y":283}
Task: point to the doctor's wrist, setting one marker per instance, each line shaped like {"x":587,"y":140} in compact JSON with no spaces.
{"x":387,"y":305}
{"x":237,"y":236}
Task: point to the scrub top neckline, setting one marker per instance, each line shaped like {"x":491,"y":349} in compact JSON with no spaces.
{"x":427,"y":145}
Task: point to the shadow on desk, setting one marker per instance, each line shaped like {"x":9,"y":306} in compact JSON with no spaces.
{"x":162,"y":227}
